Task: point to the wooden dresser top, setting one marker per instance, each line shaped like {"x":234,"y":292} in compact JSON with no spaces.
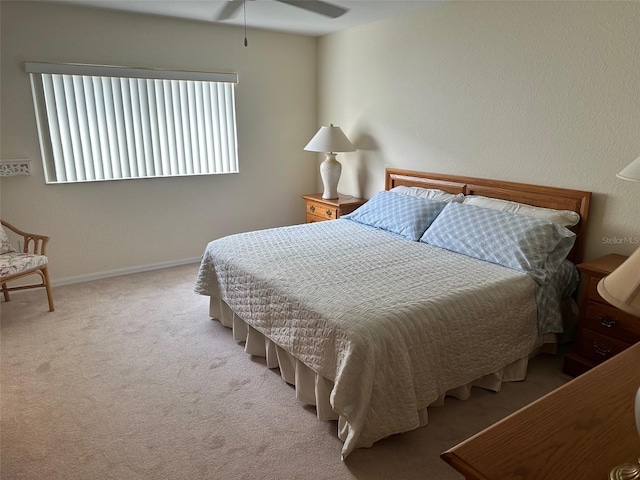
{"x":580,"y":430}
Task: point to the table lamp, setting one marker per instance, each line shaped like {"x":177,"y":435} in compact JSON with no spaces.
{"x":622,"y":290}
{"x":330,"y":140}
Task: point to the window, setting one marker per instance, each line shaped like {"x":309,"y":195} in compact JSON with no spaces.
{"x":107,"y":123}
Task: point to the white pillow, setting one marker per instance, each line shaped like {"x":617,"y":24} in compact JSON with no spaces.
{"x":566,"y":218}
{"x":430,"y":193}
{"x":5,"y":245}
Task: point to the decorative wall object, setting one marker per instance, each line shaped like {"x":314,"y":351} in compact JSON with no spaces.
{"x":9,"y":168}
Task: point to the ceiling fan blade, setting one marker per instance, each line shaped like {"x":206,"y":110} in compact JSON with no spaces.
{"x":317,"y":6}
{"x":229,"y":10}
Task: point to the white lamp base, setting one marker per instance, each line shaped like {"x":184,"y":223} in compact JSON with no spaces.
{"x":629,"y":471}
{"x":638,"y":411}
{"x":330,"y":171}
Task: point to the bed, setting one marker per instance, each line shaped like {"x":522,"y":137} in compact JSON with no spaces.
{"x":437,"y":284}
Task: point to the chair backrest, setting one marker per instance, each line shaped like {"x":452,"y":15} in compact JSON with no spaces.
{"x":31,"y":242}
{"x":5,"y":243}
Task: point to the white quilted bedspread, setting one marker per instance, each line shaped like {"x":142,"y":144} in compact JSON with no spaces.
{"x":393,"y":323}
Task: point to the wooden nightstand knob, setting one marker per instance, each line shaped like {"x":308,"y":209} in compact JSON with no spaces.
{"x":312,"y":208}
{"x":329,"y":213}
{"x":605,"y":321}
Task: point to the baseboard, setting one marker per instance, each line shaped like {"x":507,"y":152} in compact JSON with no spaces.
{"x":122,"y":271}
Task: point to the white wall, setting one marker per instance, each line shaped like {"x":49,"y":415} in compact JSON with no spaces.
{"x":107,"y":227}
{"x":536,"y":92}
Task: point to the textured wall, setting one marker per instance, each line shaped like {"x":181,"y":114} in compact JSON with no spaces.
{"x":120,"y":225}
{"x":536,"y":92}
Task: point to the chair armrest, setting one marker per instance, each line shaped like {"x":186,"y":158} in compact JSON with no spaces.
{"x":33,"y":243}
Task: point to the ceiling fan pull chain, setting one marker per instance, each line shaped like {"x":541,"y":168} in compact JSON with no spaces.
{"x":244,"y":8}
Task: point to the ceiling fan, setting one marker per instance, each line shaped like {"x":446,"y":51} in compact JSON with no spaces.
{"x":316,"y":6}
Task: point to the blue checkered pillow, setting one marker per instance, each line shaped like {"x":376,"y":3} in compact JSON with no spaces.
{"x":402,"y":214}
{"x":531,"y":245}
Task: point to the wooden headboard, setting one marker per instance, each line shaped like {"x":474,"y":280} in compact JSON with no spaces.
{"x":536,"y":195}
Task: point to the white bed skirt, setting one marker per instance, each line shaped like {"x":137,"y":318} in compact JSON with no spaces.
{"x":313,"y":389}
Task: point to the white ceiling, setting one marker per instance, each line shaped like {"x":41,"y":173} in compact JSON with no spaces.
{"x":268,"y":14}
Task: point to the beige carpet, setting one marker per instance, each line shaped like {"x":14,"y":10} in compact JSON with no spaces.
{"x":130,"y":379}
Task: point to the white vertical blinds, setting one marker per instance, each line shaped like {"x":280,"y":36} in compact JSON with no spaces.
{"x":110,"y":126}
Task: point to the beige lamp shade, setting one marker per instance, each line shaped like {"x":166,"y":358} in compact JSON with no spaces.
{"x":631,"y":171}
{"x":622,"y":287}
{"x":330,"y":139}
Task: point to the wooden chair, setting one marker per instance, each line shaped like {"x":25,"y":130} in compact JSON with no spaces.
{"x":32,"y":260}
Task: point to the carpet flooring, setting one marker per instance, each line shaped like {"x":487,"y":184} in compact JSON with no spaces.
{"x":130,"y":379}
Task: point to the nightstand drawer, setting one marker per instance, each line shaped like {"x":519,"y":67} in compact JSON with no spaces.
{"x":320,"y":210}
{"x":612,"y":322}
{"x":315,"y":218}
{"x":597,"y":347}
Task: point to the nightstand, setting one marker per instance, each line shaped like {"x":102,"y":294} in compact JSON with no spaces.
{"x":603,"y":330}
{"x":320,"y":209}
